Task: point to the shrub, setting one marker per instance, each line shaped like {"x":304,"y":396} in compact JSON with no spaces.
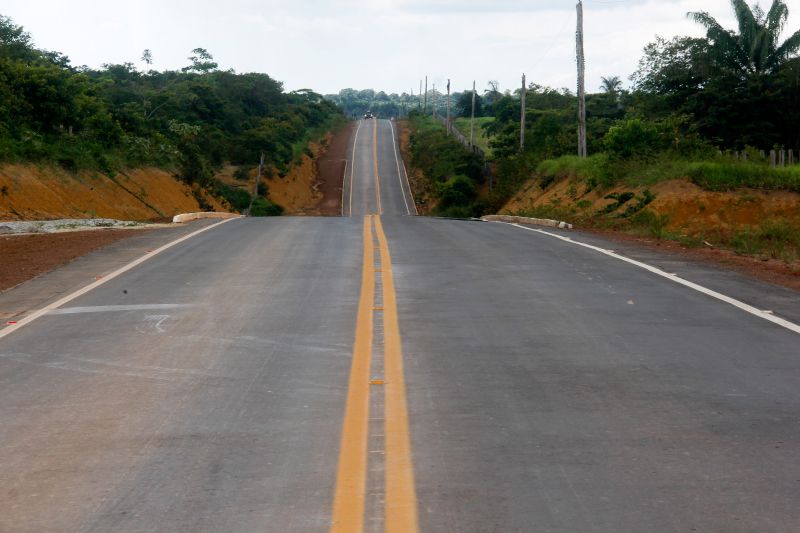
{"x":653,"y":223}
{"x":264,"y":208}
{"x":242,"y":173}
{"x":456,"y":192}
{"x":238,"y":198}
{"x":633,"y":137}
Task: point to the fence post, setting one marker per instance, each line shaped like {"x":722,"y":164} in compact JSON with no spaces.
{"x":773,"y":158}
{"x":791,"y":156}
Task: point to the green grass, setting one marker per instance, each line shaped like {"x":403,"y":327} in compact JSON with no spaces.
{"x":715,"y":175}
{"x":481,"y":141}
{"x":725,"y":176}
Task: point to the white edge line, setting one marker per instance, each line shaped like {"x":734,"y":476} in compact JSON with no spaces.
{"x":352,"y":171}
{"x":675,"y":278}
{"x":397,"y":162}
{"x":8,"y":330}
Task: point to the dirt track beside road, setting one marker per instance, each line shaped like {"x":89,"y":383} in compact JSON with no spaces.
{"x":26,"y":256}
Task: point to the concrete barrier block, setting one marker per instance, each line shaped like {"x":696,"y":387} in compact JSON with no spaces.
{"x":188,"y":217}
{"x":527,"y":220}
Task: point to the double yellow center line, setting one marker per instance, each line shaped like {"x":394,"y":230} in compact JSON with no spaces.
{"x":375,"y":163}
{"x":400,"y":501}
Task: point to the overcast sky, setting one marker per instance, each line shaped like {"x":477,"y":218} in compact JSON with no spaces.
{"x":382,"y":44}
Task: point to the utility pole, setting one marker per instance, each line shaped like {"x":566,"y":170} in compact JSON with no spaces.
{"x":523,"y":94}
{"x":434,"y":100}
{"x":448,"y":106}
{"x":258,"y":182}
{"x":472,"y":118}
{"x":425,"y":109}
{"x":419,"y":104}
{"x":582,"y":152}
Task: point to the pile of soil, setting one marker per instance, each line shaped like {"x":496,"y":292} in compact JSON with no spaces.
{"x":28,"y":256}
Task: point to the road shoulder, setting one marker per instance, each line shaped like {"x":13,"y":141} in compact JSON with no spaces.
{"x":58,"y":264}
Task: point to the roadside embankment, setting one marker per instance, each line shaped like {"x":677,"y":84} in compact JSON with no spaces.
{"x":33,"y":192}
{"x":312,"y":186}
{"x":753,"y":231}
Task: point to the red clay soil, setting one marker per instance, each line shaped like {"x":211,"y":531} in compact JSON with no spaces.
{"x":26,"y":256}
{"x":331,"y":167}
{"x":772,"y":271}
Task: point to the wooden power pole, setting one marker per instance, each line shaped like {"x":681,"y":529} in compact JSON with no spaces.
{"x":523,"y":94}
{"x":582,"y":151}
{"x":419,"y":104}
{"x":448,"y":107}
{"x":472,"y":118}
{"x":425,"y":108}
{"x":434,"y":100}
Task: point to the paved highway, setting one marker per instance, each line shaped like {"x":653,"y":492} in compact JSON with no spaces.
{"x":385,"y":372}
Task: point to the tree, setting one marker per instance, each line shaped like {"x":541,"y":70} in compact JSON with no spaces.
{"x":463,"y":106}
{"x":202,"y":62}
{"x":675,"y":67}
{"x":755,"y":50}
{"x":611,"y":85}
{"x":147,"y":57}
{"x":492,"y":94}
{"x":15,"y":42}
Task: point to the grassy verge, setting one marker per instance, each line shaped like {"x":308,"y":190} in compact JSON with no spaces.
{"x":480,"y":140}
{"x":712,"y":175}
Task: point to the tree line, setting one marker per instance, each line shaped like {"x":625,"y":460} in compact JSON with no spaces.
{"x":193,"y":120}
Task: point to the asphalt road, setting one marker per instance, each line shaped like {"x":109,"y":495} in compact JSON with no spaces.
{"x":394,"y":373}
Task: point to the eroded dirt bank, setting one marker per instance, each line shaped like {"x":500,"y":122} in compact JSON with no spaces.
{"x":753,"y":232}
{"x":313,"y":185}
{"x":32,"y":192}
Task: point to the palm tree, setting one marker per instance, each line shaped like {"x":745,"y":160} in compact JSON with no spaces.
{"x":611,"y":85}
{"x":755,"y":50}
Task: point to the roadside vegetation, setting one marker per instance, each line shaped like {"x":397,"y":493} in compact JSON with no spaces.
{"x":481,"y":138}
{"x":191,"y":121}
{"x":453,"y":174}
{"x":702,"y":111}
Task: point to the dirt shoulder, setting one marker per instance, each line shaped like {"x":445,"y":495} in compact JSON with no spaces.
{"x":28,"y":256}
{"x":331,"y":166}
{"x":773,"y":271}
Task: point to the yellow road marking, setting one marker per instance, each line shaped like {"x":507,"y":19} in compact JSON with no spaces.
{"x":401,"y":499}
{"x":348,"y":502}
{"x":375,"y":161}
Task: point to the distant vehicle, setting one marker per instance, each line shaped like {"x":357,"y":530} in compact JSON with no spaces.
{"x":368,"y":114}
